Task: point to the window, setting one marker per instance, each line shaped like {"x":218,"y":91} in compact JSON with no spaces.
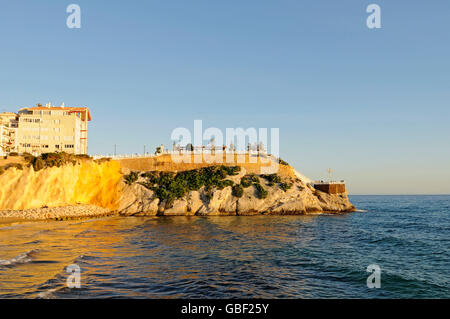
{"x":68,"y":146}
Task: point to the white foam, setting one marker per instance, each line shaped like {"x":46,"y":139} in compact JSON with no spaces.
{"x":47,"y":294}
{"x":21,"y":259}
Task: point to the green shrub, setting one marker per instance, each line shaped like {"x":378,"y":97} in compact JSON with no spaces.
{"x":131,"y":178}
{"x":232,"y":170}
{"x":57,"y":159}
{"x":224,"y":183}
{"x":28,"y":157}
{"x":283,"y":162}
{"x":272,"y":179}
{"x":237,"y":191}
{"x":38,"y":164}
{"x":248,"y":180}
{"x":285,"y":186}
{"x":83,"y":156}
{"x":245,"y":182}
{"x":102,"y":160}
{"x":13,"y":154}
{"x":261,"y":192}
{"x":169,"y":186}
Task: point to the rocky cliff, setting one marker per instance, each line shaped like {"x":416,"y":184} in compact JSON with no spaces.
{"x":85,"y":182}
{"x":300,"y":198}
{"x":35,"y":190}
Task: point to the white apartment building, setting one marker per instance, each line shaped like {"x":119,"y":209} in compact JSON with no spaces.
{"x":45,"y":129}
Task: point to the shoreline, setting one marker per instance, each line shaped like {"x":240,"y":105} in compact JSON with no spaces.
{"x":84,"y":211}
{"x":68,"y":212}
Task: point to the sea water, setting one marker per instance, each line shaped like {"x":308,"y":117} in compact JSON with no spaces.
{"x":321,"y":256}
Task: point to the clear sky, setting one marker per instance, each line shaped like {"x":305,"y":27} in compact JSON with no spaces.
{"x":374,"y":105}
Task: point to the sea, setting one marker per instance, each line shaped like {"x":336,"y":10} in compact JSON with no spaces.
{"x":392,"y":247}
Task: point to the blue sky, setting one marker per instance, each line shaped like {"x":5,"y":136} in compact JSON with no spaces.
{"x":372,"y":104}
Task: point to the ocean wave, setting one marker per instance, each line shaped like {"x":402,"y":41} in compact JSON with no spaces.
{"x":56,"y":284}
{"x":48,"y":294}
{"x":20,"y":259}
{"x":34,"y":242}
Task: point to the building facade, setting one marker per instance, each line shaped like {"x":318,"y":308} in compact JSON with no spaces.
{"x":8,"y":132}
{"x":45,"y":129}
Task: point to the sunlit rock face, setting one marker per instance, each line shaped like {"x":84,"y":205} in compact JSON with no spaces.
{"x":301,"y":198}
{"x":103,"y":185}
{"x":83,"y":183}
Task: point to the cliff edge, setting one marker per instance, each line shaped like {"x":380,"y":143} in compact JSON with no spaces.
{"x":60,"y":186}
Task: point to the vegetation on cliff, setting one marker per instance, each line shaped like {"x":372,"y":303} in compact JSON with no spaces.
{"x":283,"y":162}
{"x":169,"y":186}
{"x":54,"y":159}
{"x":131,"y":178}
{"x":47,"y":160}
{"x":237,"y":191}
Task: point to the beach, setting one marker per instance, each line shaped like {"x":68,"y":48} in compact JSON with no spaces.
{"x":56,"y":213}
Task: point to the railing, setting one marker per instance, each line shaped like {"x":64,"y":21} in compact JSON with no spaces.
{"x":328,"y":182}
{"x":195,"y":152}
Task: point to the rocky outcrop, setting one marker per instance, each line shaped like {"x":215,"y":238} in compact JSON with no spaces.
{"x":89,"y":189}
{"x":301,"y":198}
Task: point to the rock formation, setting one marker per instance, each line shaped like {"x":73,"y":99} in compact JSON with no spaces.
{"x":301,"y":198}
{"x":85,"y":184}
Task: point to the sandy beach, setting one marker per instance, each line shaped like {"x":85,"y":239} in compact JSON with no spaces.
{"x":56,"y":213}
